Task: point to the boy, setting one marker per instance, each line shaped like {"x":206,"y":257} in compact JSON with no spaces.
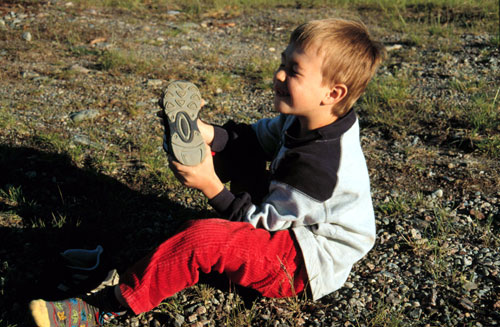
{"x":301,"y":225}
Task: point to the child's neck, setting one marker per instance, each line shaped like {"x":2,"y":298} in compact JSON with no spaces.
{"x":308,"y":124}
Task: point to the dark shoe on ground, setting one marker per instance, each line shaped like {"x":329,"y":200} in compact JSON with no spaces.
{"x":68,"y":313}
{"x":83,"y":270}
{"x":181,"y":104}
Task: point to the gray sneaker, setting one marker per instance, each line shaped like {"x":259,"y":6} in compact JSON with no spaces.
{"x":181,"y":104}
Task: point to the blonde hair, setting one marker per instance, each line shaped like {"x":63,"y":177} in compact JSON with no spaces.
{"x":351,"y":56}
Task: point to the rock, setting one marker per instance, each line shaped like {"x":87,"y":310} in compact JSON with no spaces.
{"x":154,"y":82}
{"x":438,"y":193}
{"x":415,"y":270}
{"x":179,"y":320}
{"x":467,"y":261}
{"x":467,"y":304}
{"x":393,"y":47}
{"x":79,"y":69}
{"x":27,"y":36}
{"x":201,"y":310}
{"x":80,"y":116}
{"x":134,"y":322}
{"x":186,"y":48}
{"x":415,"y":313}
{"x":82,"y":139}
{"x":29,"y":75}
{"x":192,"y":317}
{"x":469,"y":286}
{"x":348,"y":285}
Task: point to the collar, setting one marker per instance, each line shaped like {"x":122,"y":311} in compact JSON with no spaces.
{"x":328,"y":132}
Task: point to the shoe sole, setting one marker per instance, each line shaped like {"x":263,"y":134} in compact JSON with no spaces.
{"x":181,"y":103}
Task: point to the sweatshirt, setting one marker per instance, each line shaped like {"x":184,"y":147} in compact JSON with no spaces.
{"x":318,"y":186}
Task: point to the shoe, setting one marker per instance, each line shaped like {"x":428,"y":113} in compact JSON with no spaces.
{"x":83,"y":271}
{"x":69,"y":313}
{"x":181,"y":104}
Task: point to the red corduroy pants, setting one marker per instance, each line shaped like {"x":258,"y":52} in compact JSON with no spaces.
{"x":268,"y":262}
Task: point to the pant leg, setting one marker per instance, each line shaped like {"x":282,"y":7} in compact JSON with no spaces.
{"x":270,"y":263}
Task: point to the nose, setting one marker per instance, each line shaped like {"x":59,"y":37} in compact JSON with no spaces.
{"x":280,"y":75}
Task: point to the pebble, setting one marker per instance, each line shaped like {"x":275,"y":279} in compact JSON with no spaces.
{"x":27,"y":36}
{"x":79,"y":69}
{"x":154,"y":82}
{"x":80,"y":116}
{"x":393,"y":47}
{"x":438,"y":193}
{"x":29,"y":74}
{"x":179,"y":320}
{"x":415,"y":270}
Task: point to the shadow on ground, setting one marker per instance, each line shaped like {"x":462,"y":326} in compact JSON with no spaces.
{"x":48,"y":205}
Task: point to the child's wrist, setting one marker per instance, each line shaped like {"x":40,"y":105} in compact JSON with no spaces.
{"x":213,"y":189}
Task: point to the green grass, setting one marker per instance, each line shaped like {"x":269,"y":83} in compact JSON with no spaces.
{"x":260,"y":71}
{"x":440,"y":11}
{"x":389,"y":103}
{"x":125,"y":61}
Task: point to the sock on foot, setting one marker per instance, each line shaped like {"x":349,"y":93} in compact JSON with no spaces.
{"x":70,"y":312}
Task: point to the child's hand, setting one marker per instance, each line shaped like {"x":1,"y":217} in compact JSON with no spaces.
{"x":201,"y":177}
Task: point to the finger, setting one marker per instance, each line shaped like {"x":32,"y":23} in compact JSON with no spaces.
{"x":202,"y":103}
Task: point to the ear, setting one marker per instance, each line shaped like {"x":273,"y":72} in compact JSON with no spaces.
{"x":335,"y":95}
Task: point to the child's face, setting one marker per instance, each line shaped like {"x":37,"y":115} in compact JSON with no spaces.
{"x":298,"y":88}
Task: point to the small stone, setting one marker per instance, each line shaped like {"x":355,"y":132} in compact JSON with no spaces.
{"x":134,"y":322}
{"x":79,"y":69}
{"x":451,"y":165}
{"x":154,"y":82}
{"x":27,"y":36}
{"x":82,"y":139}
{"x":415,"y":234}
{"x":469,"y":286}
{"x":415,"y":270}
{"x":272,"y":49}
{"x":84,"y":115}
{"x":467,"y":304}
{"x":192,"y":317}
{"x":438,"y":193}
{"x":29,"y":75}
{"x":201,"y":310}
{"x":393,"y":47}
{"x":179,"y":320}
{"x":173,"y":12}
{"x":348,"y":285}
{"x":478,"y":214}
{"x":186,"y":48}
{"x":415,"y":313}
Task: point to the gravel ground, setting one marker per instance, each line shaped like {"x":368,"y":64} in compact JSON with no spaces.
{"x":80,"y":146}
